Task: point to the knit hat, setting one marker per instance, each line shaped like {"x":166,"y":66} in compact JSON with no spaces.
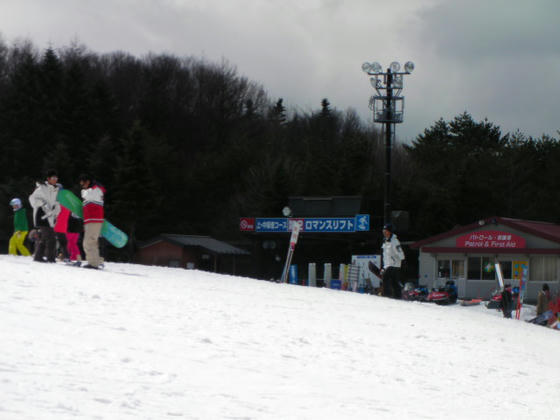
{"x":15,"y":202}
{"x":388,"y":226}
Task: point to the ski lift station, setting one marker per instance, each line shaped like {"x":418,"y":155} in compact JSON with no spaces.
{"x":467,"y":255}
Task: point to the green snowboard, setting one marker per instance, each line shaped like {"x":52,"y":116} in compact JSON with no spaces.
{"x":114,"y":235}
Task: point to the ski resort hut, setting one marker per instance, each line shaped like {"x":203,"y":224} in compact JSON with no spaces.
{"x":189,"y":251}
{"x":467,"y":255}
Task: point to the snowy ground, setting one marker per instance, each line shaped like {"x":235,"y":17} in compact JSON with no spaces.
{"x":137,"y":342}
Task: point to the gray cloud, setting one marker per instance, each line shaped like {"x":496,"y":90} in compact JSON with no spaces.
{"x":478,"y":29}
{"x":496,"y":59}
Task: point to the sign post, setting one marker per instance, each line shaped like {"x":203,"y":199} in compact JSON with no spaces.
{"x":293,"y":240}
{"x":522,"y":287}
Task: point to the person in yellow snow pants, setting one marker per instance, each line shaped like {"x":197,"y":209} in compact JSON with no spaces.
{"x":21,"y":228}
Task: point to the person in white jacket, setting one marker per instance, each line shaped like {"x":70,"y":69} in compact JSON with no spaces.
{"x":393,"y":256}
{"x":45,"y":211}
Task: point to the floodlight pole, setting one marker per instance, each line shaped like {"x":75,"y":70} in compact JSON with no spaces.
{"x":388,"y":129}
{"x":387,"y":108}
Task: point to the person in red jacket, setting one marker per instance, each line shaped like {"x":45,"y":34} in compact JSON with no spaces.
{"x":92,"y":195}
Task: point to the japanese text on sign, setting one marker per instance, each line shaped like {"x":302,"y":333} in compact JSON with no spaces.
{"x":491,"y":239}
{"x":359,"y":223}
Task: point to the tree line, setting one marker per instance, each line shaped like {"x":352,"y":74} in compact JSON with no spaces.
{"x":188,"y":146}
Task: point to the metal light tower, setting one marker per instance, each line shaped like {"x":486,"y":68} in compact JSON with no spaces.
{"x":387,"y":108}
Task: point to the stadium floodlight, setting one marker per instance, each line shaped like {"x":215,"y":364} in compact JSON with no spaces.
{"x":395,"y":66}
{"x":409,"y":67}
{"x":366,"y":67}
{"x":376,"y":67}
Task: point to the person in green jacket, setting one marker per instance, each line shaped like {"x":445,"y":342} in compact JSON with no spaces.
{"x":20,"y":229}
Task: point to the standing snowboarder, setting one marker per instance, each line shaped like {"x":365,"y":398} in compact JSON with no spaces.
{"x":21,"y":227}
{"x":393,"y":256}
{"x":45,"y":212}
{"x":92,"y":194}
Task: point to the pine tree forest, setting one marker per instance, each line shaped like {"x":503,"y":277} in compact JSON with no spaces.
{"x":188,"y":146}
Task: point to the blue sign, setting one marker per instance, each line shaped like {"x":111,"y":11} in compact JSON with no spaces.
{"x":323,"y":224}
{"x":362,"y":223}
{"x":336,"y":284}
{"x":264,"y":224}
{"x":359,"y":223}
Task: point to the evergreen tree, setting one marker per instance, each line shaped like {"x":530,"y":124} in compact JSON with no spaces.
{"x":135,"y":201}
{"x":458,"y":171}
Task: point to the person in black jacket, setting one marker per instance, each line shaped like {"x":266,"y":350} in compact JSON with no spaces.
{"x":507,"y":301}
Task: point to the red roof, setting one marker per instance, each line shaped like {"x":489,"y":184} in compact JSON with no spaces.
{"x":545,"y":230}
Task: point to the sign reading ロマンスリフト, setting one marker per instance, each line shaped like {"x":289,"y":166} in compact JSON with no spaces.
{"x":490,"y":239}
{"x":358,"y":223}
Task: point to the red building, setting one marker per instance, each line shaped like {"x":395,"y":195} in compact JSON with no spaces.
{"x":467,"y":255}
{"x":193,"y":252}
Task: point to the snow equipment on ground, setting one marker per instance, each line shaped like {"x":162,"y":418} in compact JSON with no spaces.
{"x":410,"y":292}
{"x":495,"y":301}
{"x":444,"y":295}
{"x":471,"y":302}
{"x":542,"y":319}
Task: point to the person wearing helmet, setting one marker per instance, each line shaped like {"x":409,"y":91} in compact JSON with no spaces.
{"x":21,"y":228}
{"x":393,"y":256}
{"x":45,"y":211}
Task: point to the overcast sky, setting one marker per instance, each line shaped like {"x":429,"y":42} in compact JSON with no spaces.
{"x":496,"y":59}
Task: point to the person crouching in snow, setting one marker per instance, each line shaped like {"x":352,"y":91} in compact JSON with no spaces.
{"x":21,"y":228}
{"x":45,"y":211}
{"x":92,"y":194}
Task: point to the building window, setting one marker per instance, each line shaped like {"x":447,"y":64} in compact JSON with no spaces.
{"x":474,"y":268}
{"x":543,"y":269}
{"x":444,"y":271}
{"x":506,"y":267}
{"x":451,"y":270}
{"x":482,"y":268}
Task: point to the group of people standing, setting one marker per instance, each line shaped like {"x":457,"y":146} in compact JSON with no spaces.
{"x":54,"y":222}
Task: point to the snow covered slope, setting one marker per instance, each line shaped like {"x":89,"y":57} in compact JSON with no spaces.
{"x":137,"y":342}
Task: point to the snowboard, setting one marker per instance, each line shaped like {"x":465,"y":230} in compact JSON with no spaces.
{"x":499,"y":275}
{"x":114,"y":235}
{"x":374,"y":269}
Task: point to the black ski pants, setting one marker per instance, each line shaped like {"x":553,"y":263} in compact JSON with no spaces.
{"x":391,"y":282}
{"x":46,"y":245}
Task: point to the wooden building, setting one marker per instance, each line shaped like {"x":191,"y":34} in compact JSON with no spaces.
{"x":193,"y":252}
